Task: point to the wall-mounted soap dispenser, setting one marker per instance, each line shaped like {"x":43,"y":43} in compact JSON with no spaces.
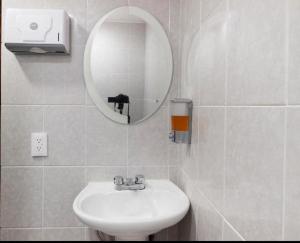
{"x":181,"y":111}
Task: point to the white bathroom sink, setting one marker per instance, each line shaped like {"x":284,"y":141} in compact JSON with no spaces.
{"x":131,"y":215}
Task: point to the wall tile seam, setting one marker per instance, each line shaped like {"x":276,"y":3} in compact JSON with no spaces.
{"x":197,"y":189}
{"x":179,"y":88}
{"x":225,"y":221}
{"x":127,"y":146}
{"x":224,"y":161}
{"x":82,"y":166}
{"x":169,"y":24}
{"x":287,"y":50}
{"x":86,"y":15}
{"x":225,"y":144}
{"x":162,"y":163}
{"x":85,"y":146}
{"x":43,"y":196}
{"x":284,"y":169}
{"x":226,"y":119}
{"x":44,"y":230}
{"x":43,"y":174}
{"x":223,"y":229}
{"x":59,"y":164}
{"x":164,"y":107}
{"x":86,"y":234}
{"x":41,"y":228}
{"x":287,"y":66}
{"x":169,"y":171}
{"x":247,"y":106}
{"x":45,"y":106}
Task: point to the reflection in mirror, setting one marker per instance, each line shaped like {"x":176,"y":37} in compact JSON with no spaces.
{"x":130,"y":65}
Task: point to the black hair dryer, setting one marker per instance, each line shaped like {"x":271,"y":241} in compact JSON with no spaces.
{"x":120,"y":100}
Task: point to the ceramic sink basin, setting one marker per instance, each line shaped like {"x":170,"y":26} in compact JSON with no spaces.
{"x":131,"y":215}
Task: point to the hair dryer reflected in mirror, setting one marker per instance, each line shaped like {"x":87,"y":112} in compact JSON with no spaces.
{"x":119,"y":102}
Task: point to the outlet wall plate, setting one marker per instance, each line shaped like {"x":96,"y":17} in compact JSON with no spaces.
{"x":39,"y":144}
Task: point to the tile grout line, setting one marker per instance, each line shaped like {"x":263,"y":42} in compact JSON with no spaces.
{"x":168,"y":142}
{"x":233,"y":229}
{"x":223,"y":227}
{"x":197,"y":164}
{"x":85,"y":108}
{"x":127,"y":151}
{"x":46,"y":105}
{"x":287,"y":52}
{"x":169,"y":24}
{"x":41,"y":228}
{"x":168,"y":115}
{"x":43,"y":179}
{"x":127,"y":128}
{"x":202,"y":106}
{"x":198,"y":126}
{"x":180,"y":52}
{"x":212,"y":205}
{"x":225,"y":114}
{"x":85,"y":145}
{"x":284,"y":166}
{"x":82,"y":166}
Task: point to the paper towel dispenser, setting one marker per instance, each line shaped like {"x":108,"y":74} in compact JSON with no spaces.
{"x":29,"y":31}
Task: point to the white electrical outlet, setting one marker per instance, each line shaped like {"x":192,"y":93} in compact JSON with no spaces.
{"x":39,"y":145}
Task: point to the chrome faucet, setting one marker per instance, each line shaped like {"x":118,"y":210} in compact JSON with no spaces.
{"x":129,"y":183}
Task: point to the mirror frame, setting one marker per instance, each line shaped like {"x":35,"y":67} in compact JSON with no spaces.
{"x":91,"y":87}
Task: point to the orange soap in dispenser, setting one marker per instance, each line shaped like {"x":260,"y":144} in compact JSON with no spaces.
{"x":181,"y":120}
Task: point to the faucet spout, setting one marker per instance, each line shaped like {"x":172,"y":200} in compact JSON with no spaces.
{"x":130,"y":184}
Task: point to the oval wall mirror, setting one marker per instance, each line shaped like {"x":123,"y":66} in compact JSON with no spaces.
{"x":128,"y":65}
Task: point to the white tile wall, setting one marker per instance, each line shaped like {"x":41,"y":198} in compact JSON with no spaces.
{"x":229,"y":234}
{"x":209,"y":7}
{"x":153,"y":152}
{"x":104,"y":173}
{"x":17,"y":124}
{"x":106,"y":142}
{"x":256,"y":52}
{"x":210,"y":161}
{"x":47,"y":93}
{"x":244,"y":81}
{"x":294,"y":53}
{"x":61,"y":186}
{"x":64,"y":234}
{"x":21,"y":234}
{"x":158,"y":8}
{"x":21,"y":83}
{"x":190,"y":25}
{"x":21,"y":197}
{"x":253,"y":171}
{"x":65,"y":128}
{"x":210,"y":58}
{"x":191,"y":152}
{"x":209,"y":222}
{"x":292,"y":215}
{"x":42,"y":79}
{"x":241,"y":173}
{"x":97,"y":9}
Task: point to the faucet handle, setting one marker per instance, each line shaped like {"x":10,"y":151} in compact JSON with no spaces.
{"x":139,"y":179}
{"x":119,"y":180}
